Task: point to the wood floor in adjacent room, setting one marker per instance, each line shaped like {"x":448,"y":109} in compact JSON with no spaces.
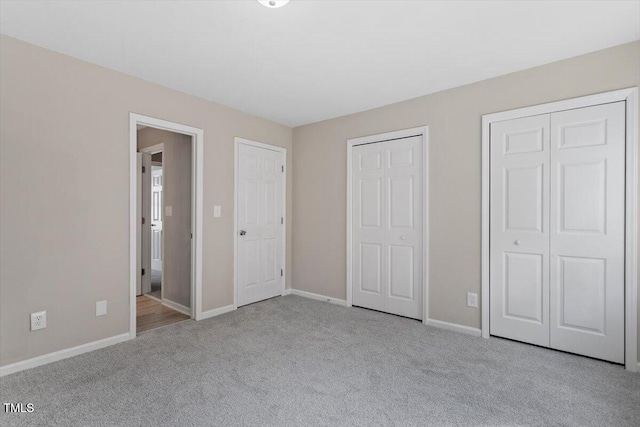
{"x":151,"y":314}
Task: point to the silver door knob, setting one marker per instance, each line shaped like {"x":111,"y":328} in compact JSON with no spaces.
{"x":403,"y":237}
{"x":517,"y":242}
{"x":242,"y":232}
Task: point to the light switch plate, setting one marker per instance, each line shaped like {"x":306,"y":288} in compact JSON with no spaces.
{"x":101,"y":308}
{"x":217,"y":211}
{"x":38,"y":320}
{"x":168,"y":210}
{"x":472,"y":300}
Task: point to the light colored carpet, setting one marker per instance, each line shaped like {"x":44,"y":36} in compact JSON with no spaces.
{"x":295,"y":361}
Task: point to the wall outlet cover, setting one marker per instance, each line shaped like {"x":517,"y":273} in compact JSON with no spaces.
{"x":101,"y":308}
{"x":472,"y":300}
{"x":217,"y":211}
{"x":38,"y":320}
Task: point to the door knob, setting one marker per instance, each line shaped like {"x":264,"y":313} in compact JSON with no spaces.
{"x":403,"y":237}
{"x":517,"y":242}
{"x":242,"y":232}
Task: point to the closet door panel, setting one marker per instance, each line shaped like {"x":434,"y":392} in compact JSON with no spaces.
{"x":587,"y":231}
{"x":519,"y":236}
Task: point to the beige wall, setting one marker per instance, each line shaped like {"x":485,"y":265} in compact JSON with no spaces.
{"x":176,"y":192}
{"x":65,"y":216}
{"x":454,"y":120}
{"x":64,"y":222}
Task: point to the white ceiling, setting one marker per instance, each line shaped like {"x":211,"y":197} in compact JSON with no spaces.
{"x":314,"y":60}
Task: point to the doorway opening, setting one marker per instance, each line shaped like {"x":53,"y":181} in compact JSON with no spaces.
{"x":166,"y":225}
{"x":152,"y":212}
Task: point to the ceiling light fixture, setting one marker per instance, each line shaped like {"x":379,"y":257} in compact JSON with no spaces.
{"x":273,"y":4}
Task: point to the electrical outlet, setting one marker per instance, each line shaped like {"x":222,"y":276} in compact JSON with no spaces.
{"x":217,"y":211}
{"x":101,"y":308}
{"x":38,"y":320}
{"x":472,"y":300}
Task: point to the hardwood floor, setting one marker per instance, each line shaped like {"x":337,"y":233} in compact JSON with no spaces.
{"x":150,"y":314}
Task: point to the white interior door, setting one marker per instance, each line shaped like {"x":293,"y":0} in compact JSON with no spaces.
{"x":519,"y":240}
{"x":587,"y":231}
{"x":145,"y":247}
{"x":260,"y":195}
{"x":387,"y":226}
{"x":156,"y":218}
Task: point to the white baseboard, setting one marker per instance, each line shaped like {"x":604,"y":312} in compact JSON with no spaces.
{"x":286,"y":292}
{"x":454,"y":327}
{"x":318,"y":297}
{"x":177,"y":307}
{"x":216,"y":312}
{"x":153,"y":298}
{"x":63,"y":354}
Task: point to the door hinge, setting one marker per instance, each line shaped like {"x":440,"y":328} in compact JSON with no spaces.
{"x":282,"y":220}
{"x":143,"y":271}
{"x":192,"y":235}
{"x":144,"y":169}
{"x":143,"y":220}
{"x":282,"y":168}
{"x":281,"y":273}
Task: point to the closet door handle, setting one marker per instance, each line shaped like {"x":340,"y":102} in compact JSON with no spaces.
{"x":517,"y":242}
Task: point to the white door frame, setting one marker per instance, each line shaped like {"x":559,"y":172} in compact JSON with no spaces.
{"x":283,"y":152}
{"x":417,"y":131}
{"x":154,"y":149}
{"x":630,"y":96}
{"x":196,"y":209}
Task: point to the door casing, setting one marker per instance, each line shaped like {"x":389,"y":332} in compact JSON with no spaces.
{"x":139,"y":225}
{"x":422,"y":131}
{"x":630,"y":96}
{"x":283,"y":153}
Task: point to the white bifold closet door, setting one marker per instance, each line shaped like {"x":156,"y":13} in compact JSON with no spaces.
{"x":519,"y":240}
{"x":587,"y":231}
{"x":387,"y":225}
{"x":557,"y":230}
